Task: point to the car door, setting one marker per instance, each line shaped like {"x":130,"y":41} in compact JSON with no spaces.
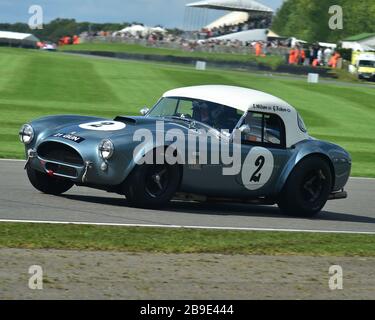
{"x":263,"y":152}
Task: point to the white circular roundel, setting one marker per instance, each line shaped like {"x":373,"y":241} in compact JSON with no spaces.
{"x":257,"y":168}
{"x":103,"y":126}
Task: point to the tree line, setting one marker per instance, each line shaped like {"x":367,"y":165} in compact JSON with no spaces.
{"x":58,"y":28}
{"x":309,"y":19}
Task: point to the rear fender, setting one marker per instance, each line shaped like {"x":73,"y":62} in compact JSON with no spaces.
{"x":302,"y":151}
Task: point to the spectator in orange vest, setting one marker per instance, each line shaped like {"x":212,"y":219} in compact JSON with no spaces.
{"x":61,"y":41}
{"x":67,"y":40}
{"x":258,"y":49}
{"x":75,"y":39}
{"x":315,"y":63}
{"x":331,"y":61}
{"x":335,"y":59}
{"x":293,"y":56}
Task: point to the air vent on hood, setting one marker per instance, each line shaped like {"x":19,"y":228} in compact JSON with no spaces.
{"x":125,"y":120}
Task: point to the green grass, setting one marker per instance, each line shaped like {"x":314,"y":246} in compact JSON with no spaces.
{"x":45,"y":236}
{"x":35,"y":84}
{"x":273,"y":61}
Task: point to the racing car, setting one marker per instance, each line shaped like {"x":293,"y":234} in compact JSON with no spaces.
{"x":229,"y":144}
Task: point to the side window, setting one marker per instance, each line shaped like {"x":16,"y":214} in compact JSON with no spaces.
{"x":273,"y":132}
{"x":185,"y":107}
{"x":263,"y":129}
{"x":254,"y":123}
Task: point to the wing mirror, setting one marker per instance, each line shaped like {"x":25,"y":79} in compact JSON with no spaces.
{"x":240,"y":132}
{"x":245,"y":129}
{"x":144,"y":111}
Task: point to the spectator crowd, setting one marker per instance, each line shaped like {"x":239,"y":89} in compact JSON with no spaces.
{"x":296,"y":53}
{"x":256,"y":22}
{"x":315,"y":56}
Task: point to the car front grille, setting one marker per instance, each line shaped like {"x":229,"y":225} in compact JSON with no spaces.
{"x":59,"y":152}
{"x":62,"y":170}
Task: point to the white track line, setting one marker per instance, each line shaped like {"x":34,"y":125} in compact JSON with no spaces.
{"x":13,"y":160}
{"x":185,"y":227}
{"x":361,"y":178}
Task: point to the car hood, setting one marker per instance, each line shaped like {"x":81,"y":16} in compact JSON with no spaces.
{"x":100,"y":129}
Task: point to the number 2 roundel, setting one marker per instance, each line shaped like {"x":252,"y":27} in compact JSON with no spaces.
{"x":257,"y":168}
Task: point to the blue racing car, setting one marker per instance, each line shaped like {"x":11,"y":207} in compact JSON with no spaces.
{"x":203,"y":143}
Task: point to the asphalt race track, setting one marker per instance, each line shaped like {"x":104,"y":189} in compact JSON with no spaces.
{"x":20,"y":201}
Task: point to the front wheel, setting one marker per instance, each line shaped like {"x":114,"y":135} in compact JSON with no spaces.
{"x":46,"y":184}
{"x":307,"y":189}
{"x":152,"y":186}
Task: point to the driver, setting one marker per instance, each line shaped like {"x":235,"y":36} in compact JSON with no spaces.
{"x":201,"y":112}
{"x":227,"y":118}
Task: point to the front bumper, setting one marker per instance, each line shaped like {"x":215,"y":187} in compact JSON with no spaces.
{"x":76,"y":173}
{"x":368,"y":76}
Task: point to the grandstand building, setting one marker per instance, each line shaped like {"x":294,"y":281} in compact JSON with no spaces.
{"x":246,"y":21}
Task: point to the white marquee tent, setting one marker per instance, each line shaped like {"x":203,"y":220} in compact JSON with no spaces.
{"x":17,"y":39}
{"x":17,"y":36}
{"x":139,"y":29}
{"x":158,"y":30}
{"x":134,"y":29}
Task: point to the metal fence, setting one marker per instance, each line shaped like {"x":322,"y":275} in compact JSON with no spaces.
{"x":188,"y":46}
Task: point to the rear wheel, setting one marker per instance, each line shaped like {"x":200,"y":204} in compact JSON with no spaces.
{"x":307,"y":189}
{"x":46,"y":184}
{"x":152,"y":186}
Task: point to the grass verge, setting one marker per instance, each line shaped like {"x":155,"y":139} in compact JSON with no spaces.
{"x":158,"y":240}
{"x":272,"y":61}
{"x":149,"y":50}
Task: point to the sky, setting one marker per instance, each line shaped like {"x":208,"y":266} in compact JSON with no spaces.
{"x":168,"y":13}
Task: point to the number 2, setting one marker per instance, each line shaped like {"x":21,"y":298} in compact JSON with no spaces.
{"x":260,"y":164}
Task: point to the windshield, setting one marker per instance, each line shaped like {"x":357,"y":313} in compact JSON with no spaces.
{"x":215,"y":115}
{"x":367,"y":63}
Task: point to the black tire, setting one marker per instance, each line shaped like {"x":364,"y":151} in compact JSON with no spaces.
{"x":46,"y":184}
{"x":307,"y":189}
{"x":152,"y":186}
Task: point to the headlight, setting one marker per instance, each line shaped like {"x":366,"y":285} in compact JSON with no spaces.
{"x":26,"y":134}
{"x":106,"y":149}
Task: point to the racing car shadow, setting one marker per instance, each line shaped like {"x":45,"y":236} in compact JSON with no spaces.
{"x":223,"y":209}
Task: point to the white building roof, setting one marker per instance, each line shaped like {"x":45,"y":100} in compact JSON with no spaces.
{"x":18,"y":36}
{"x":246,"y":36}
{"x":230,"y":19}
{"x":328,"y":45}
{"x":247,"y":100}
{"x":231,"y":5}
